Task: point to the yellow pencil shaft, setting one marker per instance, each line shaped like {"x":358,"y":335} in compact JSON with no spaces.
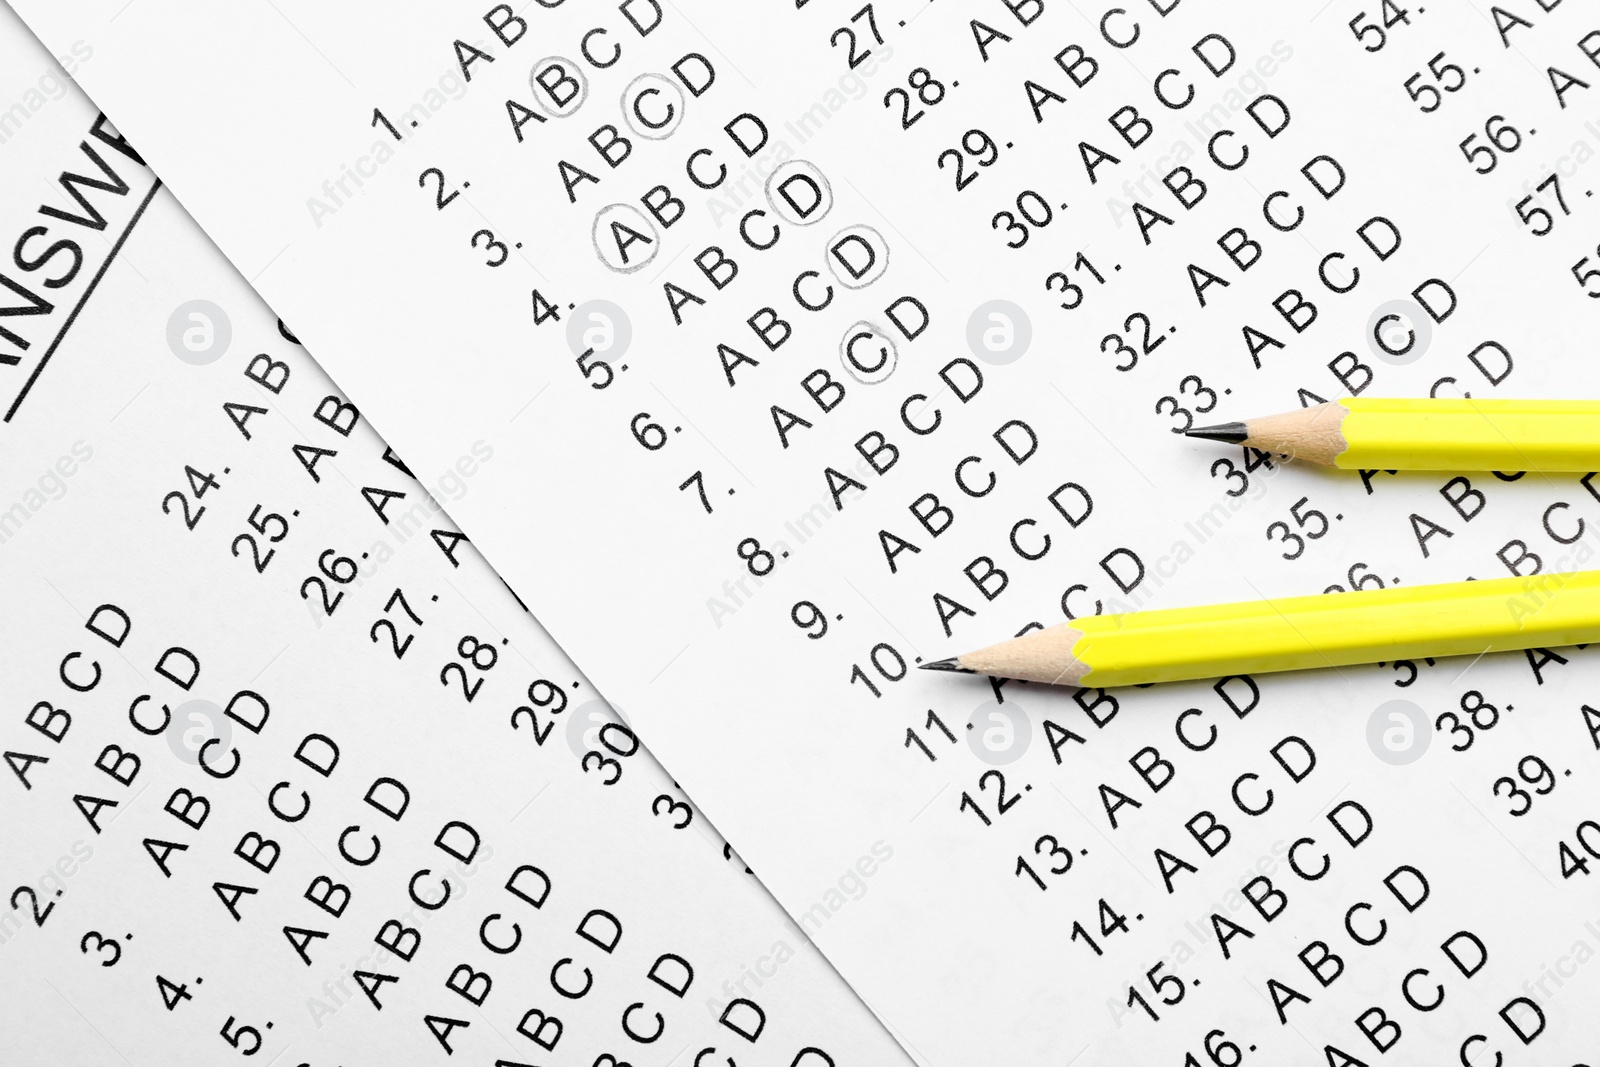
{"x":1462,"y":618}
{"x":1471,"y":435}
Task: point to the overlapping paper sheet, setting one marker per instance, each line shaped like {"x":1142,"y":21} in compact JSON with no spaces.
{"x":814,"y":341}
{"x":288,"y":782}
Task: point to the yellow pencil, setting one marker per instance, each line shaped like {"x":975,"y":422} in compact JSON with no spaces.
{"x":1444,"y":435}
{"x":1331,"y":630}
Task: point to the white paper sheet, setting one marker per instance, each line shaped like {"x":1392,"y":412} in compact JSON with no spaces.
{"x":679,"y":528}
{"x":123,"y":854}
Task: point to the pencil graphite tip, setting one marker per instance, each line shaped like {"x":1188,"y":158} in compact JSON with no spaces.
{"x":951,"y":664}
{"x":1233,"y":433}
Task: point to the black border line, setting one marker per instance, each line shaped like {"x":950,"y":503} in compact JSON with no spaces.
{"x":132,"y":222}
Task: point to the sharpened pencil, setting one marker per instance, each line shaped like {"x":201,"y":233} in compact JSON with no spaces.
{"x":1296,"y":633}
{"x":1444,"y":435}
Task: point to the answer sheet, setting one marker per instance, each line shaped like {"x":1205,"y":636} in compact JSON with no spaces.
{"x":815,"y":341}
{"x":249,"y":809}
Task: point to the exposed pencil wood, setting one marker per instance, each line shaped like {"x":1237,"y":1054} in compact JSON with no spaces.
{"x":1040,"y":656}
{"x":1312,"y":434}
